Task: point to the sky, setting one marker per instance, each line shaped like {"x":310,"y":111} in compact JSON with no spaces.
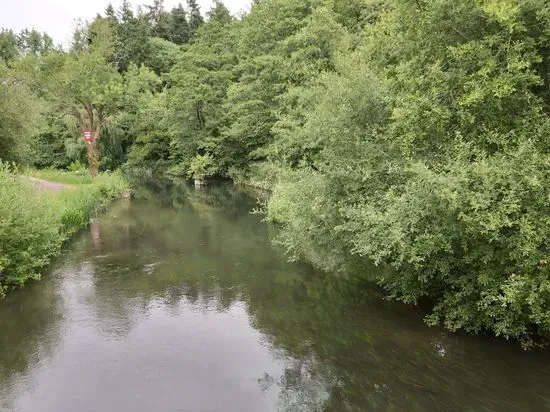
{"x":57,"y":17}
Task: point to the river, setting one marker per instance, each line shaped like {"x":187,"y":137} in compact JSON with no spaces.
{"x":177,"y":301}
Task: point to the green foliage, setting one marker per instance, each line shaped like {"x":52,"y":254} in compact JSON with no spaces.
{"x":412,"y":134}
{"x":35,"y":223}
{"x":179,"y":26}
{"x":55,"y":146}
{"x":253,"y":100}
{"x":202,"y":166}
{"x":159,"y":19}
{"x":198,"y":86}
{"x":151,"y":147}
{"x":33,"y":42}
{"x":8,"y":45}
{"x":20,"y":117}
{"x":25,"y":235}
{"x":77,"y":167}
{"x":27,"y":42}
{"x":133,"y":33}
{"x":427,"y":154}
{"x":195,"y":18}
{"x":164,"y":55}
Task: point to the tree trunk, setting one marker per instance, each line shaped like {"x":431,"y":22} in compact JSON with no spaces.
{"x":93,"y":158}
{"x":93,"y":147}
{"x":93,"y":152}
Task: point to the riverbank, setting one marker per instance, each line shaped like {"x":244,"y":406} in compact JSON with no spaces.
{"x":39,"y":216}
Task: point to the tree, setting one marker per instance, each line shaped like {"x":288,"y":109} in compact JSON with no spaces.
{"x":151,"y":148}
{"x":159,"y":20}
{"x":8,"y":45}
{"x":125,"y":13}
{"x":219,"y":13}
{"x":254,"y":100}
{"x":431,"y":161}
{"x":179,"y":26}
{"x":20,"y":117}
{"x":110,"y":12}
{"x":311,"y":53}
{"x":164,"y":54}
{"x":134,"y":36}
{"x":198,"y":84}
{"x":195,"y":17}
{"x":33,"y":42}
{"x":89,"y":89}
{"x":133,"y":117}
{"x":55,"y":145}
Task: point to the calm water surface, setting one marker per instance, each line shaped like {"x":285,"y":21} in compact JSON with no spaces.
{"x":176,"y":301}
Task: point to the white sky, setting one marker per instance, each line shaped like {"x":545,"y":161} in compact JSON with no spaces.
{"x":57,"y":17}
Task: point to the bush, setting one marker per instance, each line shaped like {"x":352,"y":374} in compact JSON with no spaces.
{"x":35,"y":223}
{"x":431,"y":160}
{"x":77,"y":167}
{"x":202,"y":166}
{"x":473,"y":237}
{"x":28,"y":237}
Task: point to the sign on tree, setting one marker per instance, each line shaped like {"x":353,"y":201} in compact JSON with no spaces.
{"x":88,"y":135}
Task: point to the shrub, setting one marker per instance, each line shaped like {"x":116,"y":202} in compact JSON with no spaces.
{"x":202,"y":166}
{"x":28,"y":237}
{"x":35,"y":223}
{"x":431,"y":160}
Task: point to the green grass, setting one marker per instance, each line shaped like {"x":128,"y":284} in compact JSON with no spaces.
{"x":35,"y":223}
{"x":79,"y":177}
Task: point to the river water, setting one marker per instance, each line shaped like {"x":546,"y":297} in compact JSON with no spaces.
{"x":177,"y":301}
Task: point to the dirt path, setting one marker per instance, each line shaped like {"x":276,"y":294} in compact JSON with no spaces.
{"x":46,"y":184}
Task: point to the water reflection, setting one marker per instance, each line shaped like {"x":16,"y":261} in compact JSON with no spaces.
{"x":29,"y":333}
{"x":177,"y":301}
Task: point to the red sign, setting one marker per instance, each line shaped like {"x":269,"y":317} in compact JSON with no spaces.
{"x":88,"y":135}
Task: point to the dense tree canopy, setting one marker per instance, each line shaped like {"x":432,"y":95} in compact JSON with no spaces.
{"x":413,"y":134}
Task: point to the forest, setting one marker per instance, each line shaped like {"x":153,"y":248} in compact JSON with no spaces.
{"x":409,"y":134}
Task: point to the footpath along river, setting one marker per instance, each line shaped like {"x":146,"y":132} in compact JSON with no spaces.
{"x":177,"y":301}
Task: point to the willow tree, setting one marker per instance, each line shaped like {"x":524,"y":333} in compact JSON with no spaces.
{"x":88,"y":86}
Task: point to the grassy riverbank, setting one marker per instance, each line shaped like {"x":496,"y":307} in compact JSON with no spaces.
{"x":37,"y":221}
